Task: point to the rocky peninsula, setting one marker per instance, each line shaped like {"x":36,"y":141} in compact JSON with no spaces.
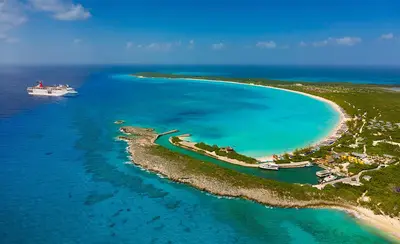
{"x":225,"y":182}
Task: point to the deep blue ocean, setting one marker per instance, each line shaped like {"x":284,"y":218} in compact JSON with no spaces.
{"x":63,"y":177}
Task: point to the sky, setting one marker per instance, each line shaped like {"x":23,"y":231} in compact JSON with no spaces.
{"x":295,"y":32}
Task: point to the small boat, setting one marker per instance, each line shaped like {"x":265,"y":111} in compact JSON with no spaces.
{"x":309,"y":164}
{"x":269,"y":166}
{"x":54,"y":91}
{"x":323,"y":173}
{"x":329,"y":178}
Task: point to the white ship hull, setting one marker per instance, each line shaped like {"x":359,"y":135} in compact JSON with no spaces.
{"x":42,"y":92}
{"x":269,"y":166}
{"x":329,"y":178}
{"x":50,"y":91}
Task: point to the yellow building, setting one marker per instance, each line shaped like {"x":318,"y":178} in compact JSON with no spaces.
{"x":352,"y":159}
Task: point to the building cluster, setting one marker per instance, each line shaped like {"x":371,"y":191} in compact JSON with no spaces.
{"x":381,"y":125}
{"x":340,"y":162}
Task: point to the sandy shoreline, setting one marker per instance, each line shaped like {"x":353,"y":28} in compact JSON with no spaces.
{"x":334,"y":133}
{"x":389,"y":226}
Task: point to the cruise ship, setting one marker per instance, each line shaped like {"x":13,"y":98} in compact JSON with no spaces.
{"x":55,"y":91}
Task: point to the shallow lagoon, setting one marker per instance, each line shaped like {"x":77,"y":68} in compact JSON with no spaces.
{"x":63,"y":178}
{"x":255,"y":121}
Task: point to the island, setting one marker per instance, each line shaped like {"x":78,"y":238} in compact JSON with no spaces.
{"x":119,"y":122}
{"x":365,"y":154}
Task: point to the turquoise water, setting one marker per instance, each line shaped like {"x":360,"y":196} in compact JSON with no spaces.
{"x":301,"y":175}
{"x":255,"y":121}
{"x":383,"y":75}
{"x":63,"y":177}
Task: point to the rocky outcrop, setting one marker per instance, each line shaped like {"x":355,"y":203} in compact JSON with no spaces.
{"x":144,"y":154}
{"x":140,"y":141}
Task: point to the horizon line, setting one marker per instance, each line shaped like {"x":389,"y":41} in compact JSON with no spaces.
{"x":189,"y":64}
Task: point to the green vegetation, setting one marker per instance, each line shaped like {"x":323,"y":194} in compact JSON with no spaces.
{"x":375,"y":110}
{"x":175,"y":139}
{"x":225,"y":153}
{"x":357,"y":168}
{"x":382,"y":190}
{"x":206,"y":147}
{"x":284,"y":160}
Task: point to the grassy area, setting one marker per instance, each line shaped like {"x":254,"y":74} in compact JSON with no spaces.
{"x":225,"y":153}
{"x":357,"y":168}
{"x":175,"y":139}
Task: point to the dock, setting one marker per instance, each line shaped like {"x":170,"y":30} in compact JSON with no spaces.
{"x":295,"y":165}
{"x":164,"y":133}
{"x":184,"y":135}
{"x":323,"y":173}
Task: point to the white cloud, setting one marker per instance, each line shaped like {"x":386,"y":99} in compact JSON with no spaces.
{"x":11,"y":40}
{"x":218,"y":46}
{"x":267,"y":44}
{"x":8,"y":39}
{"x":191,"y":44}
{"x":348,"y":41}
{"x":320,"y":43}
{"x":129,"y":45}
{"x":178,"y":43}
{"x":387,"y":36}
{"x":159,"y":46}
{"x":76,"y":12}
{"x":77,"y":41}
{"x":153,"y":45}
{"x":61,"y":9}
{"x":345,"y":41}
{"x":48,"y":5}
{"x":12,"y":13}
{"x":302,"y":44}
{"x":11,"y":16}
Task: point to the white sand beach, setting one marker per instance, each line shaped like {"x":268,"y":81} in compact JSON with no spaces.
{"x":390,"y":226}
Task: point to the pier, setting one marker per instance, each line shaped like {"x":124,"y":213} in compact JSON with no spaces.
{"x":164,"y":133}
{"x":184,"y":135}
{"x":323,"y":173}
{"x":295,"y":165}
